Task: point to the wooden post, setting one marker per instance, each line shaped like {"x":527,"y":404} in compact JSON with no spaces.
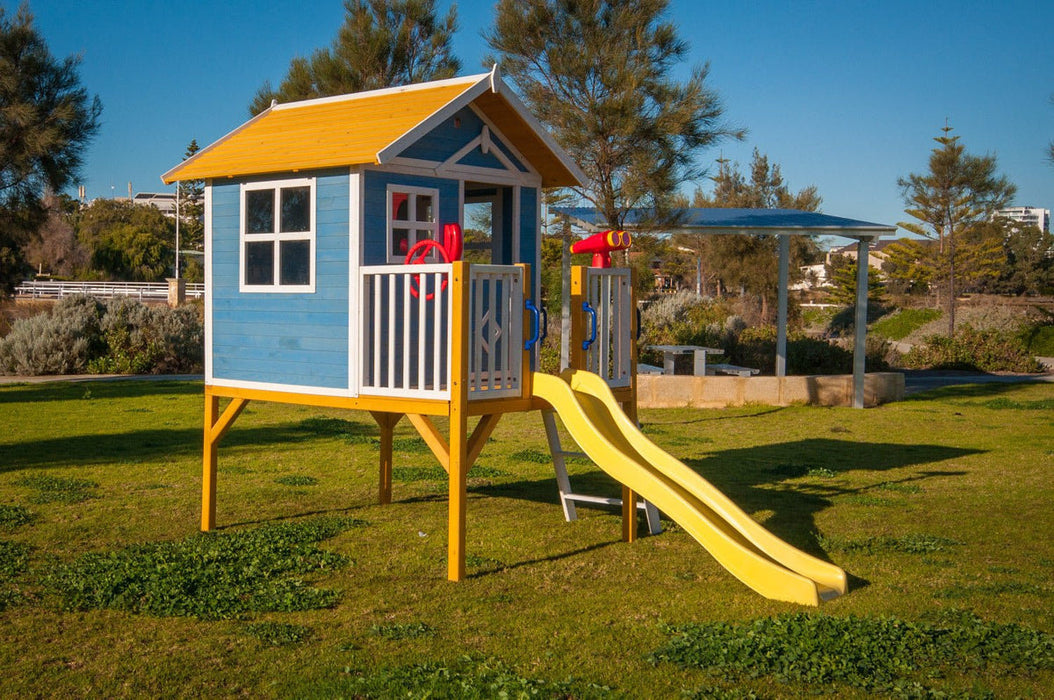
{"x":386,"y":422}
{"x":208,"y":476}
{"x":629,"y":407}
{"x":460,"y":350}
{"x":216,"y":426}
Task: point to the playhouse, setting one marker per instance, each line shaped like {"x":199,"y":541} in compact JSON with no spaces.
{"x":334,"y":278}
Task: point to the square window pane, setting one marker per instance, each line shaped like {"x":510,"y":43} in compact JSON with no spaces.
{"x":400,"y":206}
{"x":400,"y":242}
{"x":296,"y":209}
{"x":424,"y":208}
{"x":295,"y":262}
{"x":259,"y":262}
{"x":259,"y":211}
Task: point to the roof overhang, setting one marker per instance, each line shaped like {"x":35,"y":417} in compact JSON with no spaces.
{"x":773,"y":222}
{"x":373,"y":128}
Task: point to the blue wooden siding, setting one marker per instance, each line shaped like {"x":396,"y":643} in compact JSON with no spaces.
{"x":447,"y":139}
{"x":375,"y":208}
{"x":529,"y":226}
{"x":295,"y":339}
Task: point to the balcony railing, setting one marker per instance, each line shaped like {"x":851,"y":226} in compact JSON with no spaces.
{"x":406,"y":343}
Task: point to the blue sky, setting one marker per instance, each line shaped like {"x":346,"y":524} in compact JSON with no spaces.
{"x":846,"y":95}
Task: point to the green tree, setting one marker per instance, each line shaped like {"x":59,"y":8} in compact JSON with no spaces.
{"x":958,"y":194}
{"x":46,"y":121}
{"x":1029,"y":261}
{"x":191,"y":198}
{"x":749,"y":263}
{"x":842,"y":275}
{"x":382,"y":43}
{"x":127,"y":241}
{"x":597,"y":73}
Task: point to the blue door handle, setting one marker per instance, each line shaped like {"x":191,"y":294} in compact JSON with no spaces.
{"x":593,"y":315}
{"x":533,"y":340}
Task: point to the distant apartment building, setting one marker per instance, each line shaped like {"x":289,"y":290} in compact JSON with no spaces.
{"x":1029,"y":216}
{"x":164,"y":201}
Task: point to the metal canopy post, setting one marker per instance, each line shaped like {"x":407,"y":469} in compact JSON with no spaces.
{"x":781,"y":311}
{"x":860,"y":328}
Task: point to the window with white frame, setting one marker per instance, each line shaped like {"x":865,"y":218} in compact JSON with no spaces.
{"x":278,"y":236}
{"x":411,"y":218}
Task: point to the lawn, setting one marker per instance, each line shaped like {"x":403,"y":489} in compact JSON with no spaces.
{"x":939,"y":508}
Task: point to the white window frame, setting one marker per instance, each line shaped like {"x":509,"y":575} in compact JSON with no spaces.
{"x":277,"y":237}
{"x":409,"y":224}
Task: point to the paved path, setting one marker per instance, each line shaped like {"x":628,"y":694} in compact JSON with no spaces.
{"x":924,"y":380}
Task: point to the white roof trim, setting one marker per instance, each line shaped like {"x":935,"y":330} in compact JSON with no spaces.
{"x":433,"y":120}
{"x":351,"y":97}
{"x":540,"y":131}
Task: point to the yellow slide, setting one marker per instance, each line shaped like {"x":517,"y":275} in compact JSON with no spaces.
{"x":755,"y":556}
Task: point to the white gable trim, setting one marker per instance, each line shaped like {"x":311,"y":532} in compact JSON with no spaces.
{"x":392,"y":150}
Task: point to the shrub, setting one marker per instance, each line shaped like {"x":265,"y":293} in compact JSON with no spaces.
{"x":60,"y":342}
{"x":142,"y":339}
{"x":972,"y":349}
{"x":123,"y":336}
{"x":756,"y":347}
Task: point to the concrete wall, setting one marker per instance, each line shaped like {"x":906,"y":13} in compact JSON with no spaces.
{"x":663,"y":391}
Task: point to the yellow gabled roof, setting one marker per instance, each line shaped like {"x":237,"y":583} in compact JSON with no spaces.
{"x":368,"y":128}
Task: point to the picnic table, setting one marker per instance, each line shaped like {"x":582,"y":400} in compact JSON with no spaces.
{"x":700,"y":365}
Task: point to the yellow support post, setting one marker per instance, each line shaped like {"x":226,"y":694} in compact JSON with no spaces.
{"x":576,"y":356}
{"x":386,"y":422}
{"x":208,"y":478}
{"x":216,"y":426}
{"x":458,"y":463}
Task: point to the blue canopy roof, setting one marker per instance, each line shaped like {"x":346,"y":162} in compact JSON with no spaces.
{"x":763,"y":221}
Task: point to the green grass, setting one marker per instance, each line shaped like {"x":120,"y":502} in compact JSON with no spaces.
{"x":938,"y":508}
{"x":903,"y":322}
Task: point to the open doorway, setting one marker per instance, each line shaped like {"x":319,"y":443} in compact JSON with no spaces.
{"x":486,"y":225}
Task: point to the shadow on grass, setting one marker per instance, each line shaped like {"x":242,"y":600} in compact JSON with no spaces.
{"x":754,"y":479}
{"x":99,"y":389}
{"x":140,"y":445}
{"x":977,"y":390}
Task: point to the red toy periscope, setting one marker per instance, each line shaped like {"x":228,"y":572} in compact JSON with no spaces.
{"x":601,"y":245}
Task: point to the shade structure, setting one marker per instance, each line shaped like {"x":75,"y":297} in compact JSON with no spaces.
{"x":773,"y":222}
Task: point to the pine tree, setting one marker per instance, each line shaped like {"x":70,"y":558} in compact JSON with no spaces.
{"x":47,"y":121}
{"x":597,"y":73}
{"x":382,"y":43}
{"x":191,"y":197}
{"x":749,"y":263}
{"x":959,"y":193}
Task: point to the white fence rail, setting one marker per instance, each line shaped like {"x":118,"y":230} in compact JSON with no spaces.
{"x":609,"y":292}
{"x":143,"y":291}
{"x":406,"y":323}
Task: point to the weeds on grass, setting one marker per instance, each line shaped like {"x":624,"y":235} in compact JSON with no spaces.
{"x":14,"y":561}
{"x":905,"y":544}
{"x":465,"y":679}
{"x":410,"y":630}
{"x":409,"y":474}
{"x":278,"y":634}
{"x":208,"y":576}
{"x":1003,"y":403}
{"x":874,"y":654}
{"x":14,"y":516}
{"x":296,"y":480}
{"x":57,"y":489}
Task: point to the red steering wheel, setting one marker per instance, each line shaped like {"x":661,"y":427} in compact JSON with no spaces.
{"x":416,"y":256}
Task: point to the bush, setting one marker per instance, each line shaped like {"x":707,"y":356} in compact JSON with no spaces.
{"x":756,"y":347}
{"x":972,"y":349}
{"x":143,"y":339}
{"x":60,"y":342}
{"x":80,"y":334}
